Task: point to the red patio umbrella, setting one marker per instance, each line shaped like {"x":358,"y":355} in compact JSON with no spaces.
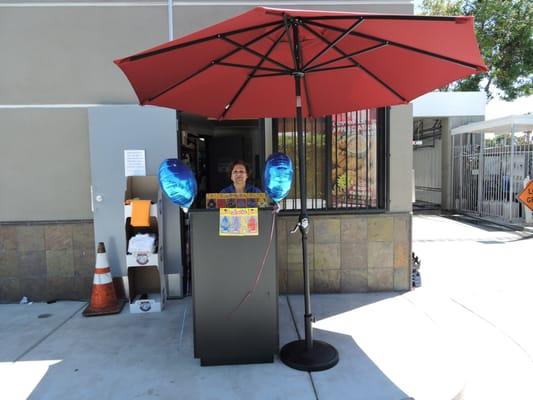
{"x":272,"y":62}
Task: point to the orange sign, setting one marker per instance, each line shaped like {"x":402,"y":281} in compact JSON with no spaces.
{"x":526,"y":196}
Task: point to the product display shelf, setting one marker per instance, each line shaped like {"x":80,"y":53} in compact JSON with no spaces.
{"x":146,"y":273}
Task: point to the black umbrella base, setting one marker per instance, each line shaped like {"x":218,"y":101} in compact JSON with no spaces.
{"x":321,"y":357}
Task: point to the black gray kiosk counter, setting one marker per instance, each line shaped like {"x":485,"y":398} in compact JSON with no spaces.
{"x":228,"y":330}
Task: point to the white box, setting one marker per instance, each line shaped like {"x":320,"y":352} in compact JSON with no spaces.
{"x":142,"y":259}
{"x":153,"y":303}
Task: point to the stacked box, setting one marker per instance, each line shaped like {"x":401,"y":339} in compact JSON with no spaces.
{"x":146,"y":272}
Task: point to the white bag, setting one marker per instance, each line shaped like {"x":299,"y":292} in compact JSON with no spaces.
{"x":142,"y":243}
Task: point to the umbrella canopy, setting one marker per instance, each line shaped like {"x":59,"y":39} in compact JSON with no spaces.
{"x":244,"y":67}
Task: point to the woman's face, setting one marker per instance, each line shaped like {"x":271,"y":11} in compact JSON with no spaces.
{"x":239,"y":175}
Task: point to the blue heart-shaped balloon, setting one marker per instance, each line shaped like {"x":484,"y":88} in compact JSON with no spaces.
{"x":177,"y":182}
{"x":277,"y":178}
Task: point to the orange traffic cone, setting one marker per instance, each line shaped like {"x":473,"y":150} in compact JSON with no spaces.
{"x":103,"y":298}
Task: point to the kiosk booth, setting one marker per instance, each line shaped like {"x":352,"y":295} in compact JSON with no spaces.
{"x":234,"y":285}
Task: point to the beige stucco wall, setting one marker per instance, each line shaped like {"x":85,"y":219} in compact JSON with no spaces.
{"x":64,"y":54}
{"x":401,"y":158}
{"x":44,"y":165}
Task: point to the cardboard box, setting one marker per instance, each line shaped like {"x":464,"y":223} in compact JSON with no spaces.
{"x":141,"y":259}
{"x":142,"y":187}
{"x":146,"y":273}
{"x":147,"y":289}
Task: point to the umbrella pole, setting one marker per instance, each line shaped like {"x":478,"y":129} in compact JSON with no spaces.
{"x":307,"y":354}
{"x":303,"y":220}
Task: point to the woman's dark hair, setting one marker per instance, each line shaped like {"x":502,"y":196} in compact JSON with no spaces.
{"x":239,"y":162}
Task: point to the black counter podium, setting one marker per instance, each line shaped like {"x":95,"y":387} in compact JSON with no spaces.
{"x":223,"y":270}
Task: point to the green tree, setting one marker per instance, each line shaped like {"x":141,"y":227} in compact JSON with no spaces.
{"x":504,"y":30}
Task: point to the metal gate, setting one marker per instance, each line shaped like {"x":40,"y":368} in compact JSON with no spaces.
{"x":489,"y":172}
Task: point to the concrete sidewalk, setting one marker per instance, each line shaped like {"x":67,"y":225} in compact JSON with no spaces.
{"x":476,"y":278}
{"x":389,"y":349}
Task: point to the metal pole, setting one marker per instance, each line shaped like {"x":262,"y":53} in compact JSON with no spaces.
{"x":481,"y":175}
{"x":170,"y":20}
{"x":511,"y":175}
{"x":461,"y":150}
{"x":303,"y":219}
{"x":305,"y":355}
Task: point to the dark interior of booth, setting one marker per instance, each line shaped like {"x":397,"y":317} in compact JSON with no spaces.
{"x":210,"y":146}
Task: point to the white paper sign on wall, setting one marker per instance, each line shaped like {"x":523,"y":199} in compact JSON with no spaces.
{"x":134,"y":163}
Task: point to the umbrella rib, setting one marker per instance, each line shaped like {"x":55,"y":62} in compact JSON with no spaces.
{"x":333,"y":68}
{"x":246,"y":66}
{"x":334,"y":43}
{"x":214,"y":62}
{"x":384,"y":17}
{"x":193,"y":42}
{"x":383,"y":83}
{"x":348,"y":55}
{"x":249,"y":77}
{"x":255,"y":53}
{"x":356,"y":64}
{"x":400,"y":45}
{"x":273,"y":74}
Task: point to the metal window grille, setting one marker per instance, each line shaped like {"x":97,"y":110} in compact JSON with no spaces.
{"x":341,"y":154}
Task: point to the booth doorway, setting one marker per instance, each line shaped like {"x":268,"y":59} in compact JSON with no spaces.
{"x":209,"y":147}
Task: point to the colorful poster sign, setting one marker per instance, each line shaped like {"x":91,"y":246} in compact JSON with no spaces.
{"x":354,"y":159}
{"x":238,"y":222}
{"x":235,"y":200}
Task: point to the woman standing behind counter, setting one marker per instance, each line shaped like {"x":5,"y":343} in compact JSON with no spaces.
{"x":239,"y":173}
